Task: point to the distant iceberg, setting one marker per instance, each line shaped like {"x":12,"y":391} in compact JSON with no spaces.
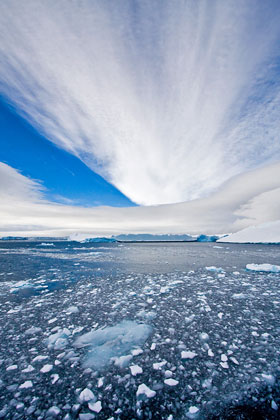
{"x":84,"y":238}
{"x":207,"y":238}
{"x":267,"y":233}
{"x":100,"y":240}
{"x":137,"y":237}
{"x":148,"y":237}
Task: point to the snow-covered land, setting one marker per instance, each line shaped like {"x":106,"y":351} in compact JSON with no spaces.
{"x":266,"y":233}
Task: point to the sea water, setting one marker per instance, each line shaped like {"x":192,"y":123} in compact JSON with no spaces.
{"x":147,"y":330}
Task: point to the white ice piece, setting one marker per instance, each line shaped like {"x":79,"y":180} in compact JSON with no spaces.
{"x":26,"y":384}
{"x":144,"y":391}
{"x":268,"y":378}
{"x":188,"y":354}
{"x":59,"y":340}
{"x":214,"y":269}
{"x":53,"y":411}
{"x":72,"y":310}
{"x":28,"y":369}
{"x":46,"y":368}
{"x":135,"y":370}
{"x":268,"y":268}
{"x":171,"y":382}
{"x":86,"y":395}
{"x":159,"y":365}
{"x":96,"y":407}
{"x":122,"y":361}
{"x":12,"y":367}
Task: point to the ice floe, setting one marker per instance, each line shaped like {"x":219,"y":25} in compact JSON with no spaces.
{"x":112,"y":342}
{"x":268,"y":268}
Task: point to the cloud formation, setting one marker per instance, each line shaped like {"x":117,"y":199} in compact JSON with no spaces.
{"x":246,"y":200}
{"x":166,"y":101}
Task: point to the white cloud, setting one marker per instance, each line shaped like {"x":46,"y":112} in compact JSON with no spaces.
{"x":165,"y":100}
{"x":246,"y":200}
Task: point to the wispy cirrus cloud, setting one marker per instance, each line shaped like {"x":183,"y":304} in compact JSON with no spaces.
{"x":165,"y":100}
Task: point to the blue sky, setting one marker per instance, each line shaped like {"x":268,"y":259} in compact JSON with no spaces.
{"x":65,"y":178}
{"x":141,"y":106}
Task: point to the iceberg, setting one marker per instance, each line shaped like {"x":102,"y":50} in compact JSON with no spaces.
{"x":207,"y":238}
{"x":112,"y":342}
{"x":267,"y":233}
{"x":86,"y":238}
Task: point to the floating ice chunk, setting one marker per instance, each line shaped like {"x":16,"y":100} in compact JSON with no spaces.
{"x":39,"y":358}
{"x":12,"y":367}
{"x":215,"y":269}
{"x":46,"y":368}
{"x":188,"y":354}
{"x":72,"y":310}
{"x":144,"y":392}
{"x":189,"y":319}
{"x":53,"y":411}
{"x":26,"y":384}
{"x":96,"y":407}
{"x":224,"y":365}
{"x":193,"y":412}
{"x":239,"y":296}
{"x":153,"y":346}
{"x":55,"y":378}
{"x":268,"y":268}
{"x":135,"y":370}
{"x":210,"y":353}
{"x":233,"y":359}
{"x":274,"y":406}
{"x":136,"y":352}
{"x":193,"y":409}
{"x":147,"y":315}
{"x":207,"y":383}
{"x":204,"y":336}
{"x":159,"y":365}
{"x":58,"y":340}
{"x":268,"y":378}
{"x":86,"y":416}
{"x":171,"y":382}
{"x":28,"y":369}
{"x":33,"y":330}
{"x":224,"y":358}
{"x":122,"y":361}
{"x":86,"y":395}
{"x":168,"y":374}
{"x":51,"y":321}
{"x":100,"y":382}
{"x":112,"y":342}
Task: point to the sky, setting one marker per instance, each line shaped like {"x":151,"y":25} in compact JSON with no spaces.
{"x":138,"y":117}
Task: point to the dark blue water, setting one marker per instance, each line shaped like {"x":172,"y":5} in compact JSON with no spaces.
{"x":227,"y":319}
